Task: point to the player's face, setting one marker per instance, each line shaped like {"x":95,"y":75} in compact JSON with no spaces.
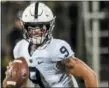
{"x":37,"y":33}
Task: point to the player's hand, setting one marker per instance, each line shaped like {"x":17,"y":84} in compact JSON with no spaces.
{"x":7,"y":74}
{"x":76,"y":67}
{"x":10,"y":63}
{"x":7,"y":67}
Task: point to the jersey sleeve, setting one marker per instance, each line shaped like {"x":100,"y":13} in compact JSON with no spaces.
{"x":62,"y":51}
{"x":15,"y":51}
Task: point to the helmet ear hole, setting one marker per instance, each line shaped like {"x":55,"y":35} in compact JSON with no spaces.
{"x":47,"y":26}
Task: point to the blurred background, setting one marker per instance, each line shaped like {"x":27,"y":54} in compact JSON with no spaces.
{"x":84,"y":25}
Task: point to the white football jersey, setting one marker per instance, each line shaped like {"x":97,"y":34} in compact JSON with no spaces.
{"x":45,"y":59}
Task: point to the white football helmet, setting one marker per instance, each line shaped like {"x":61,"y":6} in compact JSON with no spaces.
{"x":38,"y":14}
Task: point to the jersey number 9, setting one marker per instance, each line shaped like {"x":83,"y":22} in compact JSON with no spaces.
{"x":64,"y":51}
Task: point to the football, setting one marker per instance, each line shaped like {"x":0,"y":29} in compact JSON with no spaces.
{"x":18,"y":73}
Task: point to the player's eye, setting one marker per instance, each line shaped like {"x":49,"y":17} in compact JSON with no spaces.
{"x":31,"y":28}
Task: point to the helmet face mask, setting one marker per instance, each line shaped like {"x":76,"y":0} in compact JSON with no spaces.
{"x":38,"y":25}
{"x":37,"y":32}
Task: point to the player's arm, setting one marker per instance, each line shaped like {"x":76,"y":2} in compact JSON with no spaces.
{"x":76,"y":67}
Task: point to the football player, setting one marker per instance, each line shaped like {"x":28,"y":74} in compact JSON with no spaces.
{"x":51,"y":61}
